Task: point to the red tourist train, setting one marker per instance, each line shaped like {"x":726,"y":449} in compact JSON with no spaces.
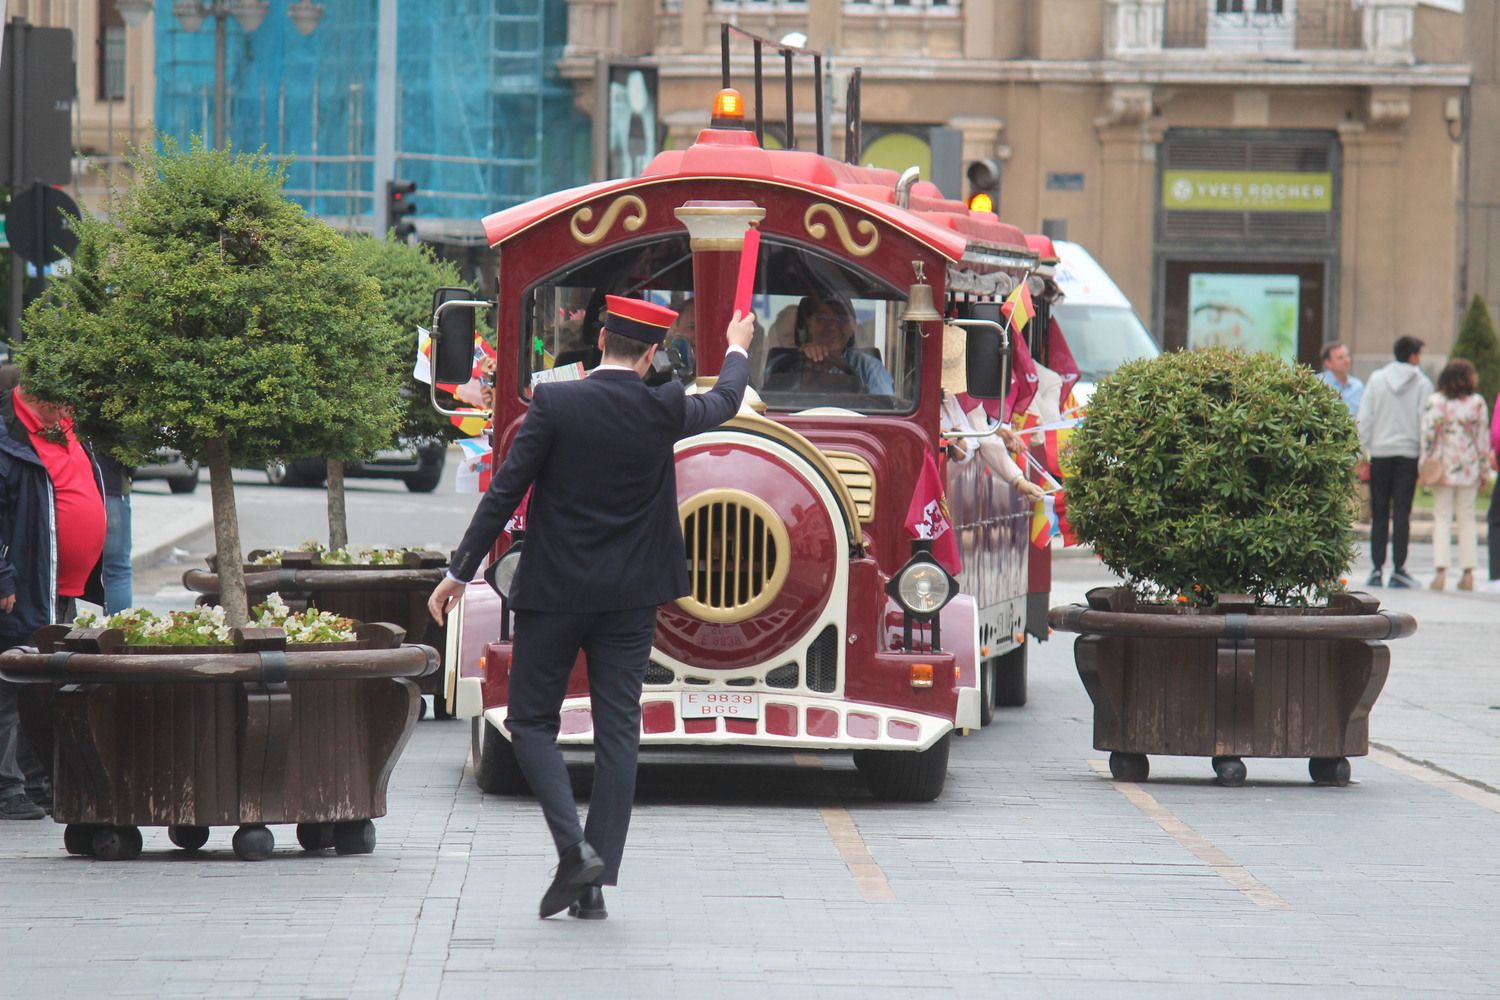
{"x":816,"y":621}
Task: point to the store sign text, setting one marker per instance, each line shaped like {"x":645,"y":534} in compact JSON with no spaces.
{"x":1246,"y":191}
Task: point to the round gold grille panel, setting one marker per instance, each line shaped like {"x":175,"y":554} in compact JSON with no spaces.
{"x":738,"y":555}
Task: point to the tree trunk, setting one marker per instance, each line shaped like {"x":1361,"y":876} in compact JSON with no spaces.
{"x":338,"y":517}
{"x":227,"y":534}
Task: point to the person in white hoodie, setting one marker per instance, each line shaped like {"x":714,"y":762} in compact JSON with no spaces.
{"x":1390,"y":430}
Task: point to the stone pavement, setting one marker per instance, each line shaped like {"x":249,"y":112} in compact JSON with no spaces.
{"x":752,"y":876}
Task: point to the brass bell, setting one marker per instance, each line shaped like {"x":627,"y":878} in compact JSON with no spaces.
{"x":919,"y":305}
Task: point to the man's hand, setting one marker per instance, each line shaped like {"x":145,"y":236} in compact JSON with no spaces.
{"x":444,"y":598}
{"x":741,"y":330}
{"x":820,"y":352}
{"x":1010,"y":439}
{"x":8,"y":604}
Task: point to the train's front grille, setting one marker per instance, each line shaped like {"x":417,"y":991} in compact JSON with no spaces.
{"x":823,"y":661}
{"x":738,"y":555}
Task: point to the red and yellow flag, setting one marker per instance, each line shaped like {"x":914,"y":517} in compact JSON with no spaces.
{"x":1019,"y":308}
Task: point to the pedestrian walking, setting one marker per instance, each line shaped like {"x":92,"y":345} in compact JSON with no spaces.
{"x":1456,"y":440}
{"x":1493,"y":519}
{"x":117,"y":577}
{"x":52,"y":527}
{"x":1337,"y":374}
{"x":1390,"y":429}
{"x":603,"y":550}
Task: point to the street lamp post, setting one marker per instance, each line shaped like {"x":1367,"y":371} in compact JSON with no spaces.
{"x":305,"y":16}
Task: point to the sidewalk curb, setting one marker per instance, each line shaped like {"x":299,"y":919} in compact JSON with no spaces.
{"x":147,"y":558}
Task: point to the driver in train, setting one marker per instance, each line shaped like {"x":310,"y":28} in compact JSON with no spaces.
{"x":825,"y":336}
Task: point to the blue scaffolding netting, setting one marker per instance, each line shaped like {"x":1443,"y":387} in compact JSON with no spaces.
{"x":483,"y":121}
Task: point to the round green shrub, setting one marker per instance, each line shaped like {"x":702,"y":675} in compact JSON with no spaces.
{"x":1206,"y":472}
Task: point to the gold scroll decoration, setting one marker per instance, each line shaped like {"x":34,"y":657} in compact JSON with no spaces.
{"x":819,"y":231}
{"x":585,"y":215}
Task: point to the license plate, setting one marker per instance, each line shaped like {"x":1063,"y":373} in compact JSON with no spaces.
{"x":712,"y":704}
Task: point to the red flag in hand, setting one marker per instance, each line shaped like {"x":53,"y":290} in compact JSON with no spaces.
{"x":927,"y":517}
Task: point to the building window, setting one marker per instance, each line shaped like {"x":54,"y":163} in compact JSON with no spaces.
{"x":111,"y":47}
{"x":942,"y":5}
{"x":1248,"y":7}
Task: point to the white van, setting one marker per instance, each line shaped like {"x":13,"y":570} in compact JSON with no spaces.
{"x":1101,"y":328}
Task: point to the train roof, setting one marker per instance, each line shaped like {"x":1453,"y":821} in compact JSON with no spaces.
{"x":971,"y":241}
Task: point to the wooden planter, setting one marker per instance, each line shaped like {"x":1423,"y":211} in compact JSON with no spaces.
{"x":367,"y":593}
{"x":259,"y":733}
{"x":1232,"y":681}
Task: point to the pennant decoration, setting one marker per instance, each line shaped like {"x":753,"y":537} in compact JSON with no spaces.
{"x":1060,"y":359}
{"x":927,"y":517}
{"x":476,"y":465}
{"x":1023,"y":379}
{"x":1044,"y":521}
{"x":1018,"y":308}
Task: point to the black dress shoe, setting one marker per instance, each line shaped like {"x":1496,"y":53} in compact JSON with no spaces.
{"x":578,"y":866}
{"x":589,"y":905}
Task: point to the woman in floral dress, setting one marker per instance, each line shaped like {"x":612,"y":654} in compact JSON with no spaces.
{"x":1455,"y":428}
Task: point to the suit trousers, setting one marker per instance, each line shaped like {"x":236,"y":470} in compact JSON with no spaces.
{"x":616,"y":645}
{"x":1393,"y":483}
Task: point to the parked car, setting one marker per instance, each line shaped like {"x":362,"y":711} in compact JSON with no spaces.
{"x":181,"y":475}
{"x":419,"y":466}
{"x":1101,"y":326}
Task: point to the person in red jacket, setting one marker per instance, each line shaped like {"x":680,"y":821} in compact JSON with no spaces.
{"x":52,"y":527}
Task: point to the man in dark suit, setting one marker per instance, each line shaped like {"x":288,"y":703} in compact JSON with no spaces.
{"x":603,"y":550}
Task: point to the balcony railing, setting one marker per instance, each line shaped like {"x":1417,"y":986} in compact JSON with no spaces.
{"x":1302,"y":24}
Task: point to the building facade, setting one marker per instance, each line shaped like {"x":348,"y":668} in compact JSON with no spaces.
{"x":1479,"y":183}
{"x":1270,"y":173}
{"x":116,"y":87}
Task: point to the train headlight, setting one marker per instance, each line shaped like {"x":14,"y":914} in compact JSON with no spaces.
{"x":502,"y":572}
{"x":922,"y":587}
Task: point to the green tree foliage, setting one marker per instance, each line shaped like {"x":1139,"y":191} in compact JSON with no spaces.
{"x":1208,"y":472}
{"x":1477,"y":343}
{"x":408,"y":275}
{"x":211,"y":315}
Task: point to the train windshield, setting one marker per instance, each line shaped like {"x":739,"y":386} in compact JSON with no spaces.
{"x":827,"y":335}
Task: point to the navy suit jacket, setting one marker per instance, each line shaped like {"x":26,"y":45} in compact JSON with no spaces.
{"x":602,"y":531}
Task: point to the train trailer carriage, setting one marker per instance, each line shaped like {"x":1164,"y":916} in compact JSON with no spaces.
{"x":815,"y":621}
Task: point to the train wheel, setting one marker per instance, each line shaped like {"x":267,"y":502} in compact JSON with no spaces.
{"x":497,"y":771}
{"x":905,"y":775}
{"x":987,"y":672}
{"x":1010,"y":678}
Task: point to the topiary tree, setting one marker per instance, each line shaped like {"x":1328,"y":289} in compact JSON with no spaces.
{"x":211,"y":315}
{"x":1477,"y":343}
{"x":1214,"y":471}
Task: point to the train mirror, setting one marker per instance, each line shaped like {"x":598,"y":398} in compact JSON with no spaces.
{"x":452,"y":336}
{"x":983,"y":362}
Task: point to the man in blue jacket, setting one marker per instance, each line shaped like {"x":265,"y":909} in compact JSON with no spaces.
{"x":603,"y":550}
{"x":51,"y":537}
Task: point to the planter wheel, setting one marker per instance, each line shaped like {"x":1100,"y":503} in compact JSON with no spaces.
{"x":1230,"y":770}
{"x":1329,"y":770}
{"x":189,"y":838}
{"x":1129,"y":766}
{"x":116,"y":843}
{"x":421,"y":709}
{"x":354,"y":837}
{"x":315,"y":836}
{"x":253,"y":842}
{"x":78,"y":838}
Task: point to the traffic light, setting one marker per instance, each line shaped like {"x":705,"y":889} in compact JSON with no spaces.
{"x":398,"y":205}
{"x":984,"y":185}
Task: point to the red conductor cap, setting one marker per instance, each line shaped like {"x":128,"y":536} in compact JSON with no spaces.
{"x":729,"y":109}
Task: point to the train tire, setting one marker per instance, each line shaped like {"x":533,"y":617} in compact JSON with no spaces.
{"x":497,"y":771}
{"x":1010,"y":678}
{"x":904,"y":775}
{"x":988,"y":671}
